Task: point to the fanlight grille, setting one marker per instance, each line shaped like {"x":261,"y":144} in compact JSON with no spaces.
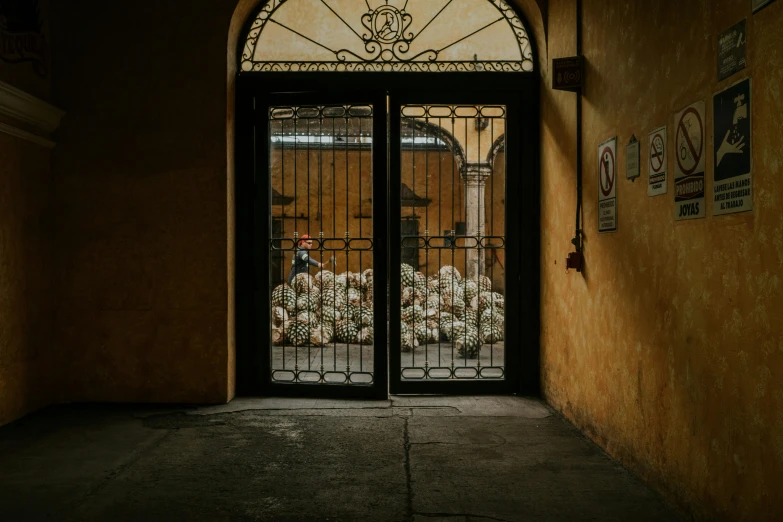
{"x":387,"y":35}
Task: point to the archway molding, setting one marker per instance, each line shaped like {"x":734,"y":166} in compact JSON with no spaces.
{"x":387,"y":36}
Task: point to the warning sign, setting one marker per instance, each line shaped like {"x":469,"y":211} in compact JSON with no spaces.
{"x":689,"y":165}
{"x":731,"y":191}
{"x":607,"y":186}
{"x":657,"y":163}
{"x":731,"y":51}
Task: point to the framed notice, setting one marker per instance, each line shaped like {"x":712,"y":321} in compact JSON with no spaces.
{"x":760,"y":4}
{"x":690,"y":131}
{"x":607,"y":186}
{"x":656,"y":165}
{"x":732,"y":189}
{"x":632,"y":166}
{"x":731,"y":51}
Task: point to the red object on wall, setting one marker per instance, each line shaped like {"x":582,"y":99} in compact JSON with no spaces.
{"x":574,"y":260}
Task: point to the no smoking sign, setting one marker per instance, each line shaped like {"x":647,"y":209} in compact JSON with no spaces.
{"x":607,"y":186}
{"x":657,"y":154}
{"x":657,"y":163}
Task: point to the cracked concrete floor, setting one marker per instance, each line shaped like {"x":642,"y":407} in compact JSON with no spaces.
{"x":411,"y":458}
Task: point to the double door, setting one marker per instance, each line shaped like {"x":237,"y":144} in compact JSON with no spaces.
{"x":398,"y":217}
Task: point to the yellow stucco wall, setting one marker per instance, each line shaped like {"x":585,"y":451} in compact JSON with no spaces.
{"x":141,"y":216}
{"x":672,"y":352}
{"x":26,"y":313}
{"x":26,"y":290}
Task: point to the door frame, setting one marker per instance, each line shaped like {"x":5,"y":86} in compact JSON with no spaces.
{"x":521,"y":90}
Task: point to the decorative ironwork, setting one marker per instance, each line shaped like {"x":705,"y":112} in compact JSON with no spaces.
{"x":322,"y":325}
{"x":385,"y":42}
{"x":355,"y":138}
{"x":453,"y":309}
{"x":418,"y":118}
{"x":418,"y":373}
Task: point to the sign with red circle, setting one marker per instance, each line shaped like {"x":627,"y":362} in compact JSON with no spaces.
{"x":607,"y":186}
{"x":689,"y":153}
{"x":690,"y":141}
{"x":657,"y":154}
{"x":657,"y":162}
{"x":607,"y":171}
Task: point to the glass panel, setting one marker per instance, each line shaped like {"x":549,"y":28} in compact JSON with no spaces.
{"x":387,"y":35}
{"x":320,"y":173}
{"x":453,"y":185}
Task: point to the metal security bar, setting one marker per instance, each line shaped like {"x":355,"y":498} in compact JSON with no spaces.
{"x":320,"y":172}
{"x":453,"y":243}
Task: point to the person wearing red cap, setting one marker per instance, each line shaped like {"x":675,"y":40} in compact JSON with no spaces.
{"x":302,"y":261}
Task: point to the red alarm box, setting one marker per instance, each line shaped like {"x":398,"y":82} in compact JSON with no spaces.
{"x":574,"y":260}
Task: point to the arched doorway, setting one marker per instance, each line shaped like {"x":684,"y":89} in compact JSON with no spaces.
{"x":401,"y":137}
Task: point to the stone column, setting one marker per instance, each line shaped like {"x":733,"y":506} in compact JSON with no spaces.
{"x":475,"y":175}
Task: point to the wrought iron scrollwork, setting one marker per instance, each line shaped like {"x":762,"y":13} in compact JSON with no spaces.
{"x":386,"y":40}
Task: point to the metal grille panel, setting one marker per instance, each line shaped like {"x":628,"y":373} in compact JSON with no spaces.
{"x":387,"y":36}
{"x":453,"y":263}
{"x":320,"y":174}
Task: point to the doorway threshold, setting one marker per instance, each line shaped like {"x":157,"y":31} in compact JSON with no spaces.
{"x":398,"y":405}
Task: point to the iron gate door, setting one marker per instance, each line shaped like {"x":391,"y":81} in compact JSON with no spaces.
{"x":454,"y":169}
{"x":320,"y":158}
{"x":459,"y":315}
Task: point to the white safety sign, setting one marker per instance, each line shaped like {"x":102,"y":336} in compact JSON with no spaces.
{"x":607,"y":186}
{"x":690,"y":127}
{"x":657,"y":163}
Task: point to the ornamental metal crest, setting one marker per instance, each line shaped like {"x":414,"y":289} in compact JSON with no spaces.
{"x":387,"y":35}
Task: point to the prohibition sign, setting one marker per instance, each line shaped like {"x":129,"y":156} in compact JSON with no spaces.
{"x":657,"y":159}
{"x":606,"y":171}
{"x":685,"y":146}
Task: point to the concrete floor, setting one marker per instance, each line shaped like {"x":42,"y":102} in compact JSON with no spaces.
{"x":408,"y":459}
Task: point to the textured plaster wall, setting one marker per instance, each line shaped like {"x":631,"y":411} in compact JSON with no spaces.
{"x":141,"y":213}
{"x":25,"y":278}
{"x":25,"y":258}
{"x":668,"y":350}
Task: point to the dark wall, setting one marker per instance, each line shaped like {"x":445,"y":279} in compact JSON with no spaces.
{"x":141,"y":214}
{"x":26,"y":261}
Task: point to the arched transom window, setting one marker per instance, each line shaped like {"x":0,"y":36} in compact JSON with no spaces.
{"x":387,"y":35}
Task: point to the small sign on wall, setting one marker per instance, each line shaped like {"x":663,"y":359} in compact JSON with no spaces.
{"x":731,"y":51}
{"x":632,"y":159}
{"x":732,"y":189}
{"x":607,"y":186}
{"x":690,"y":160}
{"x":656,"y":184}
{"x":567,"y":73}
